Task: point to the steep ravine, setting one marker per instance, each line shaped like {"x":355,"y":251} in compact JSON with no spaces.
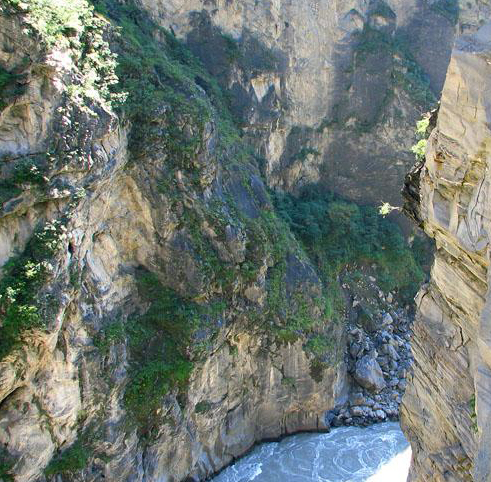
{"x":159,"y":312}
{"x":179,"y":280}
{"x":446,"y":408}
{"x":328,"y":91}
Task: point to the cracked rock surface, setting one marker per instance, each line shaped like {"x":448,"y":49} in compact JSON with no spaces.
{"x":446,"y":411}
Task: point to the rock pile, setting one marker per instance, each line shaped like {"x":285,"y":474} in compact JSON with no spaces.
{"x":378,"y":358}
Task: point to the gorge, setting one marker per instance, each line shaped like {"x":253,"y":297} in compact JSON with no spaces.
{"x":192,"y":258}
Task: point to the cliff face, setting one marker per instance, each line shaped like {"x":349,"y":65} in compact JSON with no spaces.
{"x":155,"y":311}
{"x":160,"y":309}
{"x":157,"y":315}
{"x":328,"y":91}
{"x":446,"y":409}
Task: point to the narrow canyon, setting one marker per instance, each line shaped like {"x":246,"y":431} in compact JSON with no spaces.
{"x":203,"y":241}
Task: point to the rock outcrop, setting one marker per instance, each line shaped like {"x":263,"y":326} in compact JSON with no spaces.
{"x":446,"y":409}
{"x":156,"y":315}
{"x":328,"y":91}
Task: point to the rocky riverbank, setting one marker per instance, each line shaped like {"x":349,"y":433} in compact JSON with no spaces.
{"x":378,"y":354}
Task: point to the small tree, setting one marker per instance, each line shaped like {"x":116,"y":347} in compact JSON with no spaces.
{"x":419,"y":148}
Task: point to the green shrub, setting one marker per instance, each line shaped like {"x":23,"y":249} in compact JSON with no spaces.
{"x":8,"y":87}
{"x":26,"y":171}
{"x":6,"y":465}
{"x":419,"y":149}
{"x":162,"y":348}
{"x":317,"y":368}
{"x":337,"y":233}
{"x":306,"y":151}
{"x":155,"y":73}
{"x":24,"y":275}
{"x":447,"y":8}
{"x":202,"y":407}
{"x":72,"y":460}
{"x":473,"y":414}
{"x":72,"y":24}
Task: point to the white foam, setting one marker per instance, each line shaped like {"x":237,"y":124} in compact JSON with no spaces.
{"x":395,"y":470}
{"x":378,"y":453}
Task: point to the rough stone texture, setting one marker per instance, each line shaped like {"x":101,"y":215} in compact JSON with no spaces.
{"x":369,"y":374}
{"x":451,"y":343}
{"x":324,"y":112}
{"x":137,"y":213}
{"x":58,"y":383}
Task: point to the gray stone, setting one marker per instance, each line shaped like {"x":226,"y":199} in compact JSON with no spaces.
{"x":357,"y":411}
{"x":380,"y":414}
{"x":387,"y":320}
{"x":369,"y":374}
{"x":358,"y":399}
{"x":355,"y":350}
{"x":391,"y":351}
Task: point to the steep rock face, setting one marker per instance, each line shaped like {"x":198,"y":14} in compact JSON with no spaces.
{"x":97,"y":375}
{"x":328,"y":91}
{"x":446,"y":411}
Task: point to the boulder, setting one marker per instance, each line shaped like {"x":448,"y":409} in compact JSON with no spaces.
{"x":387,"y":320}
{"x":369,"y":374}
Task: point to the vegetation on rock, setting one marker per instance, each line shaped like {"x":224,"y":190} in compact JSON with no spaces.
{"x":337,"y":233}
{"x":22,"y":304}
{"x":419,"y":149}
{"x":71,"y":460}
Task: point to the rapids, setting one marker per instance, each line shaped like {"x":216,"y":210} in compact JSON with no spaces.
{"x":379,"y":453}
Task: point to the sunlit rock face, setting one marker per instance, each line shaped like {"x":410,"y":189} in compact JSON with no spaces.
{"x":116,"y":209}
{"x":350,"y":78}
{"x":446,"y":409}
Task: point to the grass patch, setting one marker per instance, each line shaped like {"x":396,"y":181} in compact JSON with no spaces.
{"x":6,"y":464}
{"x":202,"y":407}
{"x":72,"y":460}
{"x":27,"y":171}
{"x":163,"y":348}
{"x":473,"y":414}
{"x":154,"y":73}
{"x":21,"y":306}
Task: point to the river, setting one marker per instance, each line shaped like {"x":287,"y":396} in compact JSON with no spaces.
{"x":379,"y":453}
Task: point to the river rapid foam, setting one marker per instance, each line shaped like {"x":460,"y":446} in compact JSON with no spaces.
{"x":379,"y":453}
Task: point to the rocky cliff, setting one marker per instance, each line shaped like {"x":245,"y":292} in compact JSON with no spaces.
{"x":160,"y":309}
{"x":446,"y":409}
{"x":329,"y":92}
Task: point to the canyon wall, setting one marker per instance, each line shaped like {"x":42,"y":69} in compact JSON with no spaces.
{"x":329,"y":91}
{"x":159,"y":312}
{"x":446,"y":408}
{"x":157,"y":317}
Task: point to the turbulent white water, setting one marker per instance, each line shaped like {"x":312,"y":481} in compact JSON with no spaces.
{"x":379,"y":453}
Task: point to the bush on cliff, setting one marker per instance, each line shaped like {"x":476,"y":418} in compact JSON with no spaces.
{"x":337,"y":233}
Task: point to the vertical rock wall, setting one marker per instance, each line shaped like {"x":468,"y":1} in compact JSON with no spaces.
{"x":446,"y":410}
{"x":350,"y":80}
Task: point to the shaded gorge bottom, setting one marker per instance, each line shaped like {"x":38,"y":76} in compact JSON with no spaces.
{"x":379,"y":453}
